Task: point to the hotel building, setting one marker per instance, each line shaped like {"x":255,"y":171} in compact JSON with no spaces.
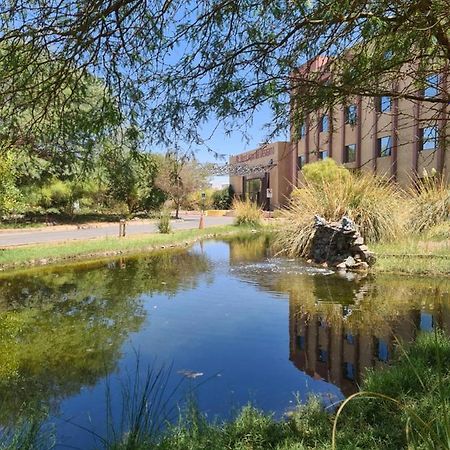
{"x":399,"y":138}
{"x":394,"y":137}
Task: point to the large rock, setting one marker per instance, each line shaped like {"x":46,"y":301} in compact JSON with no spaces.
{"x":340,"y":244}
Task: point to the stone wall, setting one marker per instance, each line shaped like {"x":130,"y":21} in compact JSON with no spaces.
{"x":340,"y":245}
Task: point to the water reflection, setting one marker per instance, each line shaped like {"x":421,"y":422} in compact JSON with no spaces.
{"x":63,"y":329}
{"x":270,"y":327}
{"x":341,"y":325}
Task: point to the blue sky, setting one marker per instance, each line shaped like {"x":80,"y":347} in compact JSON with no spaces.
{"x":235,"y":142}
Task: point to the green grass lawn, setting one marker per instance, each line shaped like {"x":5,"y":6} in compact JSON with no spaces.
{"x":108,"y":246}
{"x":414,"y":255}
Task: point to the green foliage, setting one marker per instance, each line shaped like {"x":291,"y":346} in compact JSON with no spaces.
{"x":247,"y":212}
{"x":224,"y":198}
{"x":164,"y":225}
{"x":326,"y":170}
{"x":10,"y":196}
{"x":374,"y":204}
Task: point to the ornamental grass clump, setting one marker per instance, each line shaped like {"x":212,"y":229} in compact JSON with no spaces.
{"x":164,"y":225}
{"x":247,"y":213}
{"x":430,"y":204}
{"x":376,"y":206}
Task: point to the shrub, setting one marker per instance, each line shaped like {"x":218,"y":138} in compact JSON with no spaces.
{"x":247,"y":213}
{"x":164,"y":225}
{"x":373,"y":203}
{"x":326,"y":170}
{"x":430,"y":203}
{"x":223,"y":198}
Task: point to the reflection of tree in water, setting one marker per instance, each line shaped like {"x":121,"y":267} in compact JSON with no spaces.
{"x":63,"y":328}
{"x":249,"y":248}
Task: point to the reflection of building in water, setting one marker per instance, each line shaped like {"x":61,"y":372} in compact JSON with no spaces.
{"x":331,"y":351}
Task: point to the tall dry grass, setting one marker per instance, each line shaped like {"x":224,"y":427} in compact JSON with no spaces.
{"x":430,"y":204}
{"x":247,"y":213}
{"x":377,"y":207}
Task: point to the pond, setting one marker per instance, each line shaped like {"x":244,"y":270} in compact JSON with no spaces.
{"x":226,"y":321}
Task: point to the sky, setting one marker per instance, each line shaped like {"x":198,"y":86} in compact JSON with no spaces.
{"x":236,"y":142}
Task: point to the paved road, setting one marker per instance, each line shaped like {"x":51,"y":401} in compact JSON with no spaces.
{"x":57,"y":235}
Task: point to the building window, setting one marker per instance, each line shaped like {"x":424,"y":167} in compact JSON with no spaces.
{"x":349,"y":371}
{"x":351,"y":114}
{"x":322,"y":355}
{"x":428,"y":138}
{"x":383,"y":104}
{"x":301,"y":342}
{"x":301,"y":162}
{"x":384,"y":146}
{"x":323,"y":154}
{"x":349,"y":338}
{"x":302,"y":132}
{"x":426,"y":321}
{"x":382,"y":350}
{"x":350,"y":153}
{"x":431,"y":86}
{"x":324,"y":124}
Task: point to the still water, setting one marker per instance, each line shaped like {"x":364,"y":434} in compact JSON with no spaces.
{"x":229,"y":321}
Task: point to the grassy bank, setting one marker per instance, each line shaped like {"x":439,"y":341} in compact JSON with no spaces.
{"x":415,"y":255}
{"x":105,"y":247}
{"x":404,"y":406}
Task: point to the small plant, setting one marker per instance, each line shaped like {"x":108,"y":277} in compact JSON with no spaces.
{"x":164,"y":225}
{"x":247,"y":213}
{"x":430,"y":203}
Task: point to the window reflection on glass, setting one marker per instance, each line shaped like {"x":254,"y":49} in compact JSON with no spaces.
{"x":349,"y":371}
{"x":349,"y":338}
{"x":323,"y":154}
{"x":382,"y":350}
{"x":350,"y":153}
{"x":383,"y":104}
{"x":431,"y":86}
{"x":301,"y":342}
{"x":324,"y":124}
{"x":428,"y":138}
{"x":426,"y":321}
{"x":351,"y":115}
{"x":322,"y":355}
{"x":301,"y":162}
{"x":384,"y":146}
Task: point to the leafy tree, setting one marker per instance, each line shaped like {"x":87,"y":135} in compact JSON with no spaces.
{"x":180,"y":176}
{"x":223,"y":198}
{"x":131,"y":176}
{"x":10,"y":197}
{"x":173,"y":65}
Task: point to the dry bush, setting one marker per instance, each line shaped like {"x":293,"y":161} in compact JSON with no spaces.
{"x":247,"y":213}
{"x":375,"y":205}
{"x":430,"y":203}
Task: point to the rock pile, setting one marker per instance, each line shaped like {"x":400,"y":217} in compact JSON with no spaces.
{"x":340,"y":245}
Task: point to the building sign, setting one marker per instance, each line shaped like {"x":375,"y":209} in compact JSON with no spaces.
{"x":269,"y":193}
{"x":257,"y":154}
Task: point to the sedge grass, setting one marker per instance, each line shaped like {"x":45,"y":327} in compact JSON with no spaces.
{"x":247,"y":213}
{"x":374,"y":204}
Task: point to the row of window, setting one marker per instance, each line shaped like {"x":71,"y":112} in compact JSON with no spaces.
{"x":383,"y":104}
{"x":428,"y":139}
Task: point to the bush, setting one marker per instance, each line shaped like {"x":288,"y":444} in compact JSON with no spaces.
{"x":430,"y":204}
{"x":247,"y":213}
{"x":374,"y":204}
{"x":164,"y":225}
{"x":223,"y":198}
{"x":326,"y":170}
